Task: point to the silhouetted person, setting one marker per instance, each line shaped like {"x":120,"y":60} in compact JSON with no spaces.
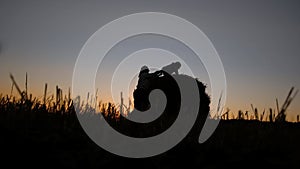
{"x":172,"y":68}
{"x":166,"y":80}
{"x":145,"y":77}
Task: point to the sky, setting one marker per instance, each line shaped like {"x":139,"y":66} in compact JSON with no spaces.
{"x":257,"y":41}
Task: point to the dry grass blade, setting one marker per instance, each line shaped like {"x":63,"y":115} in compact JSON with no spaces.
{"x":282,"y":113}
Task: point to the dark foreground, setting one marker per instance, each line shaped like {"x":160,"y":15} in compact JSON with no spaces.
{"x":235,"y":144}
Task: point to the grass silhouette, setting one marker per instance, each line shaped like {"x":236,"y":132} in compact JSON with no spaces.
{"x":46,"y":133}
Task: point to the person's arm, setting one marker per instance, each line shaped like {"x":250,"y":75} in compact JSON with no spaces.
{"x":158,"y":73}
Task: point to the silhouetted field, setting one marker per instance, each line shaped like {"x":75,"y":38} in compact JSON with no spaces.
{"x":34,"y":135}
{"x":47,"y":134}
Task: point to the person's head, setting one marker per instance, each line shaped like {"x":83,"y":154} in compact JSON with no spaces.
{"x":145,"y":69}
{"x":177,"y":65}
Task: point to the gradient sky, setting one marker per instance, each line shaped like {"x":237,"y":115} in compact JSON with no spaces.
{"x":258,"y":42}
